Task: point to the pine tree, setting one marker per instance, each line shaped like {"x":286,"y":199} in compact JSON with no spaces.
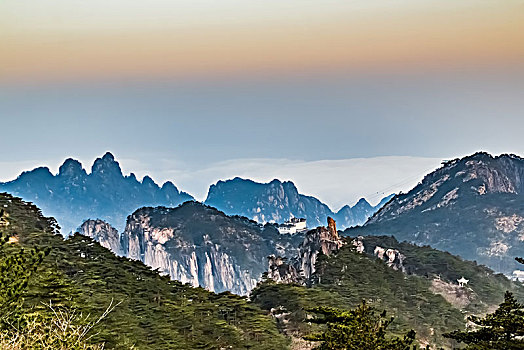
{"x":359,"y":329}
{"x":16,"y":267}
{"x":502,"y":329}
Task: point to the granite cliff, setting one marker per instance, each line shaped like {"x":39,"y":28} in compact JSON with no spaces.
{"x":197,"y":244}
{"x":300,"y":268}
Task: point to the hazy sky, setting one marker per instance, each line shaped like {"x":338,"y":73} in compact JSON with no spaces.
{"x":197,"y":90}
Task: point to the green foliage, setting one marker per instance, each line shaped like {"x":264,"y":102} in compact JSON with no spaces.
{"x":347,"y":277}
{"x":154,"y":312}
{"x":17,"y":265}
{"x":362,"y":328}
{"x":425,"y":261}
{"x":502,"y":329}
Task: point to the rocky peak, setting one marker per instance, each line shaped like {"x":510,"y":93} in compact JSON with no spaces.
{"x":197,"y":244}
{"x":72,"y":195}
{"x":359,"y":213}
{"x":470,"y":177}
{"x":275,"y":201}
{"x":40,"y":173}
{"x":103,"y":233}
{"x":106,"y":166}
{"x":132,"y":177}
{"x":300,"y":269}
{"x":170,"y":190}
{"x":362,"y":204}
{"x":332,"y":227}
{"x":148,"y":182}
{"x":71,"y":168}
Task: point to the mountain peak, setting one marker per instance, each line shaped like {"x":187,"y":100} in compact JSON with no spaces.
{"x":109,"y":157}
{"x":439,"y":210}
{"x":40,"y":172}
{"x":70,"y":168}
{"x":106,"y":165}
{"x":148,"y":181}
{"x":362,"y":203}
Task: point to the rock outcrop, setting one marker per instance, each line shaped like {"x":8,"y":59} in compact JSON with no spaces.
{"x":472,"y":207}
{"x":103,"y":233}
{"x":281,"y":271}
{"x":393,"y":257}
{"x":301,"y":268}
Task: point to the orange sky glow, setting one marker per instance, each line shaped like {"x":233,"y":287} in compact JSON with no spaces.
{"x":386,"y":40}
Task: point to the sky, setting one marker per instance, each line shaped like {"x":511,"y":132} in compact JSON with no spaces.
{"x":345,"y":98}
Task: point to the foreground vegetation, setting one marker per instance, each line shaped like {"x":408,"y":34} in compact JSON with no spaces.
{"x":78,"y":277}
{"x":346,"y":278}
{"x":74,"y":294}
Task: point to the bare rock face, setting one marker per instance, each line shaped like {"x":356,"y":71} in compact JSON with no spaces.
{"x":281,"y":271}
{"x":358,"y":243}
{"x":472,"y":207}
{"x":392,"y":257}
{"x":103,"y":233}
{"x":205,"y":263}
{"x":322,"y":240}
{"x":477,"y":175}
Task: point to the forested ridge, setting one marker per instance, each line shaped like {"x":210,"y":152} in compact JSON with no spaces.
{"x":149,"y":311}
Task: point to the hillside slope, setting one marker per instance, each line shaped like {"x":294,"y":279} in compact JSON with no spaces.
{"x":416,"y":285}
{"x":154,"y":312}
{"x":472,"y":207}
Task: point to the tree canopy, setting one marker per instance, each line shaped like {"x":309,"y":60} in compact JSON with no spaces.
{"x":362,"y":328}
{"x":502,"y":329}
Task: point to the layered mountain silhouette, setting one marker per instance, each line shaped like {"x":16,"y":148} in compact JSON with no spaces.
{"x":472,"y":207}
{"x":73,"y":195}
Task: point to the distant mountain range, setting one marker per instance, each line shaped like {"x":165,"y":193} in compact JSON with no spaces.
{"x":278,"y":201}
{"x":73,"y":195}
{"x":472,"y":207}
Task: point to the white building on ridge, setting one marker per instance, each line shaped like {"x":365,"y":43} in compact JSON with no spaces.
{"x":293,"y":226}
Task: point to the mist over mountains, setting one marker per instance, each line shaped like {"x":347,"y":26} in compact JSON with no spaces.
{"x":74,"y":195}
